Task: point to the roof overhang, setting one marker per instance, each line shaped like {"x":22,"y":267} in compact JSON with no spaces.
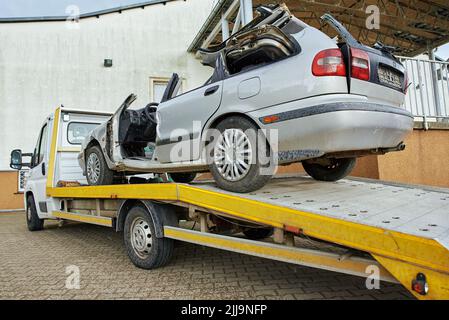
{"x":95,"y":14}
{"x":412,"y":26}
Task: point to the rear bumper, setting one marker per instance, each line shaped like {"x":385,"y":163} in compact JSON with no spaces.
{"x":335,"y":107}
{"x":335,"y":127}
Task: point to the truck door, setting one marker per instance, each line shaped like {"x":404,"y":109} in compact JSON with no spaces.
{"x":37,"y":178}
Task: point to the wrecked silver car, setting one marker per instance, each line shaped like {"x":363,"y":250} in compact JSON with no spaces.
{"x":281,"y":92}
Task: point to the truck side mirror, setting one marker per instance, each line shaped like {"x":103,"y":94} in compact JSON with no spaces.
{"x":16,"y":160}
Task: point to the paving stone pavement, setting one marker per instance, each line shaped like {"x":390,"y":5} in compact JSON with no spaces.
{"x":33,"y":266}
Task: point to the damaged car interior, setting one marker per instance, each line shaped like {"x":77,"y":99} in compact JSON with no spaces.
{"x":137,"y":128}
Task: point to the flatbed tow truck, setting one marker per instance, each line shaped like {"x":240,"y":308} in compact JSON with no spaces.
{"x":347,"y":226}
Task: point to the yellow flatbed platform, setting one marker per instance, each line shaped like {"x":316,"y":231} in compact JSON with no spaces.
{"x":406,"y":229}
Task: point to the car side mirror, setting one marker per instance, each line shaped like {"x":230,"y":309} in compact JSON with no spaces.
{"x":16,"y":160}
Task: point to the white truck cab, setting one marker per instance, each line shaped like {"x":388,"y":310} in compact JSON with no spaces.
{"x":72,"y":126}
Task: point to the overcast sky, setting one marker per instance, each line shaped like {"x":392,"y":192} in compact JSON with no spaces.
{"x":29,"y":8}
{"x":443,"y":52}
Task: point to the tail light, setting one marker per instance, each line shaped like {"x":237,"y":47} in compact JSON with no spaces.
{"x":360,"y":64}
{"x":420,"y":285}
{"x":329,"y":62}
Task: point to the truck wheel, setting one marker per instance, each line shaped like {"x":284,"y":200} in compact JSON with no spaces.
{"x":234,"y":159}
{"x":97,"y":171}
{"x":34,"y":223}
{"x":336,"y":170}
{"x":258,"y":233}
{"x":144,"y":249}
{"x":182,"y":177}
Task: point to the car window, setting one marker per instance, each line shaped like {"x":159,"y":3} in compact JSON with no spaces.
{"x":78,"y":131}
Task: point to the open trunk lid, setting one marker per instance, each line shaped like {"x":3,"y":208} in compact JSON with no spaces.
{"x":368,"y":68}
{"x":266,"y":27}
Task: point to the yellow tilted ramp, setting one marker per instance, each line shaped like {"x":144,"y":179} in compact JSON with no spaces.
{"x":406,"y":229}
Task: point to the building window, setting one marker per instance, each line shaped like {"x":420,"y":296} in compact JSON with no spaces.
{"x":23,"y":174}
{"x":157,"y":88}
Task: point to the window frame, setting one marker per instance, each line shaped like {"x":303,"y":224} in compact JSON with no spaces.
{"x":166,"y":80}
{"x":37,"y":149}
{"x":157,"y":80}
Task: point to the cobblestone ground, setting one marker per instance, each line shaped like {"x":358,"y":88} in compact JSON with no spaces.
{"x":33,"y":266}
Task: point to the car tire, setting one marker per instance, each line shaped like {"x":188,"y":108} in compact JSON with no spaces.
{"x":258,"y":233}
{"x":145,"y":250}
{"x":251,"y":178}
{"x":34,"y":223}
{"x":183,"y":177}
{"x":97,"y":171}
{"x":338,"y":169}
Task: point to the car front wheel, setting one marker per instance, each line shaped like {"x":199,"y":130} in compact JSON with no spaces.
{"x":34,"y":223}
{"x":97,"y":171}
{"x":239,"y":158}
{"x":335,"y":170}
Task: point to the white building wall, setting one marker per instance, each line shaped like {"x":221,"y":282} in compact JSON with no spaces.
{"x":46,"y":64}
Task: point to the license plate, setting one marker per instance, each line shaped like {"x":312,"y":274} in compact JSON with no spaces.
{"x":389,"y":77}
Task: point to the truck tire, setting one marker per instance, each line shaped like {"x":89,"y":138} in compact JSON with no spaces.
{"x":258,"y":233}
{"x":97,"y":171}
{"x":239,"y":172}
{"x":182,"y":177}
{"x":338,"y":169}
{"x":34,"y":223}
{"x":144,"y":248}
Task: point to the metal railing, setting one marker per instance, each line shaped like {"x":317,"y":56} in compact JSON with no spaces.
{"x":428,"y":92}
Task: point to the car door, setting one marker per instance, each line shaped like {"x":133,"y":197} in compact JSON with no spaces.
{"x":37,"y":178}
{"x":181,"y":121}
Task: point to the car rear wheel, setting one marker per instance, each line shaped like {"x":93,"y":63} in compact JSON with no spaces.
{"x":183,"y":177}
{"x":97,"y":171}
{"x":336,"y":169}
{"x":235,"y":156}
{"x":34,"y":223}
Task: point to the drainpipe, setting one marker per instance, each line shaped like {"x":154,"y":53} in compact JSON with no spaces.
{"x":436,"y":93}
{"x":224,"y":28}
{"x":246,"y":7}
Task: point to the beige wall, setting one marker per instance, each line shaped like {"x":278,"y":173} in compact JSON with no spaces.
{"x":9,"y":198}
{"x":424,"y":161}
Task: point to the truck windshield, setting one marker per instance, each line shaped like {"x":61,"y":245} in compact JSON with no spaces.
{"x":78,"y":131}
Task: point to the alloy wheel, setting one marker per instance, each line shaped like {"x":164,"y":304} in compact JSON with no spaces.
{"x":93,"y":167}
{"x":233,"y":154}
